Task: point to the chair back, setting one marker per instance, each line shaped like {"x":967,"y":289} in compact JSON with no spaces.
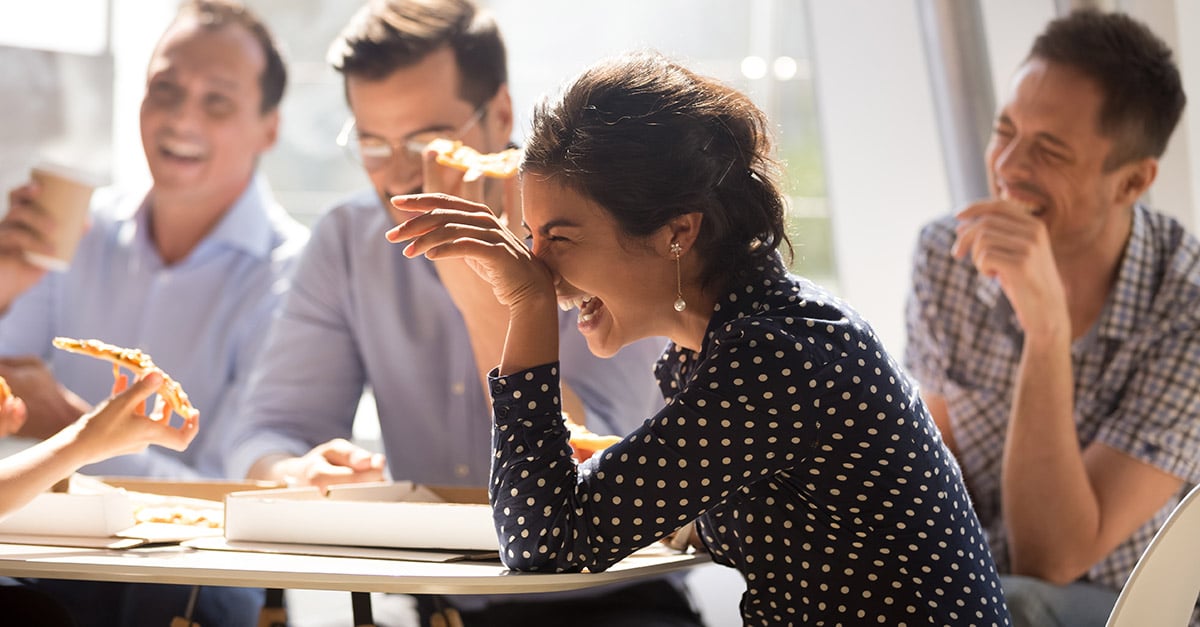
{"x":1163,"y":586}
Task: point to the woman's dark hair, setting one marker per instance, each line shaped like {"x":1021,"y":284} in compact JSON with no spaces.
{"x":216,"y":14}
{"x":387,"y":35}
{"x":650,"y":140}
{"x":1143,"y":94}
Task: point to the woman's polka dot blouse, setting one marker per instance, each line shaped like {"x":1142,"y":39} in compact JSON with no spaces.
{"x":799,"y":446}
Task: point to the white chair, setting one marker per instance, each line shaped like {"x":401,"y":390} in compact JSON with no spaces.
{"x":1163,"y":586}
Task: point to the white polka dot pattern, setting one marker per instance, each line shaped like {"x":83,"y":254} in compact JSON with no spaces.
{"x":799,"y":446}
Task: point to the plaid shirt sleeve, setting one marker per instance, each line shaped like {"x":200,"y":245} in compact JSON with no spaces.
{"x":925,"y":354}
{"x":1158,"y":418}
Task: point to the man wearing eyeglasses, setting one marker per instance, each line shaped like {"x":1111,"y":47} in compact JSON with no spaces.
{"x":422,"y":334}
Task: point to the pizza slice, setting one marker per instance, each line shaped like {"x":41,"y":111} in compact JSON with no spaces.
{"x":585,"y":443}
{"x":139,"y":363}
{"x":457,"y":155}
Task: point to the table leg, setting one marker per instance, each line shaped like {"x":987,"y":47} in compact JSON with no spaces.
{"x":274,"y":612}
{"x":361,"y":603}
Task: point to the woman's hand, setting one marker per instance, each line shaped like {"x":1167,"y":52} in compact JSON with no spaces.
{"x":12,"y":415}
{"x":451,"y":227}
{"x":119,"y":426}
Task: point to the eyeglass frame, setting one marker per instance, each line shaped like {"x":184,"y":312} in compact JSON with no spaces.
{"x":406,"y":144}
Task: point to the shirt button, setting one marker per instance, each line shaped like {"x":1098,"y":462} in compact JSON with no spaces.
{"x":462,"y":470}
{"x":498,"y":388}
{"x":458,"y":388}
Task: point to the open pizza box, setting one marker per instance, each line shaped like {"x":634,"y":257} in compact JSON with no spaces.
{"x":399,"y":515}
{"x":121,"y":512}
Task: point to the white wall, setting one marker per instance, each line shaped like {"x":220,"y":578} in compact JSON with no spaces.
{"x":136,"y":27}
{"x":883,"y":159}
{"x":1177,"y":190}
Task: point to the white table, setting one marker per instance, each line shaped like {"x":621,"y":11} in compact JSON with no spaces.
{"x":277,"y":571}
{"x":181,"y":565}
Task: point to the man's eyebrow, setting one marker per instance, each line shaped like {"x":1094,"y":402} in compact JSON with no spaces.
{"x":1053,"y":139}
{"x":1042,"y":135}
{"x":224,"y":83}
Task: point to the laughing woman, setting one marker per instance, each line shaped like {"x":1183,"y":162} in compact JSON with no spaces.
{"x":789,"y":434}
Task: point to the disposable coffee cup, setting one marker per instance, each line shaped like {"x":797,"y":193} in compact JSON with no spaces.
{"x":66,"y":194}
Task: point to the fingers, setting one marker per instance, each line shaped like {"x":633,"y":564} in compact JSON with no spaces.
{"x":134,"y":396}
{"x":438,"y":200}
{"x":334,"y":462}
{"x":1004,"y":224}
{"x":172,"y":438}
{"x":27,"y":225}
{"x":12,"y":415}
{"x":342,"y":453}
{"x":120,"y":383}
{"x":453,"y":222}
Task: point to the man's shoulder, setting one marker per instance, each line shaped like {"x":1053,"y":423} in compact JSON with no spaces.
{"x":938,"y":234}
{"x":289,"y":236}
{"x":353,"y":216}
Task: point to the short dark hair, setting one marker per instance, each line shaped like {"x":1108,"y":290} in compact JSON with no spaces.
{"x":387,"y":35}
{"x":650,"y":140}
{"x":215,"y":14}
{"x":1143,"y":94}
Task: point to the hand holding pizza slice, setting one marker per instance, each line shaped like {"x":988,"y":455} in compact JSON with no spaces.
{"x":140,"y":364}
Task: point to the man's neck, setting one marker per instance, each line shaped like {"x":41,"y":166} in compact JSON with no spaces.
{"x":1089,"y":276}
{"x":178,"y":223}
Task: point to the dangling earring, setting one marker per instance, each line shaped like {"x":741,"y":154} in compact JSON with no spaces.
{"x":676,"y":252}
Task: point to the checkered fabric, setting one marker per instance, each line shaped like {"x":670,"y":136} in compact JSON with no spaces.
{"x":1137,"y":371}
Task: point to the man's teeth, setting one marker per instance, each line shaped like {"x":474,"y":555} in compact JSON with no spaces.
{"x":185,"y":150}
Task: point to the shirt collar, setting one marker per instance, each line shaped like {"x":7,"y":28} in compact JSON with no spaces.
{"x":1133,"y":294}
{"x":746,"y":297}
{"x":246,"y":225}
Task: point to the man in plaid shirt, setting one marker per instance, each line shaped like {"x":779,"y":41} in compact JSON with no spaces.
{"x":1055,"y":327}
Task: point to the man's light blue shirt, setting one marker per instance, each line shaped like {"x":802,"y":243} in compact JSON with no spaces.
{"x":202,"y":319}
{"x":360,"y":313}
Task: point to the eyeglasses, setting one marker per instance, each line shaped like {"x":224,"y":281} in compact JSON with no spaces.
{"x":375,"y":152}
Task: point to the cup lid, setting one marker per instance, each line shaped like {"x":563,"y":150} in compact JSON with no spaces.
{"x":79,"y":175}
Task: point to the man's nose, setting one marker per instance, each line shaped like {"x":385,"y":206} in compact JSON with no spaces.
{"x":1014,"y":161}
{"x":402,"y":175}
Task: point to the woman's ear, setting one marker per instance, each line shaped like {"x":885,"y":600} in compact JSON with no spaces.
{"x":682,"y":230}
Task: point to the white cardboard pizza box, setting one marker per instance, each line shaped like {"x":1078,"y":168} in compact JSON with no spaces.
{"x":395,"y":515}
{"x":60,"y":514}
{"x":100,"y":511}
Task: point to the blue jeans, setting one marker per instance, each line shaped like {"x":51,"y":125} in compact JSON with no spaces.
{"x":109,"y":604}
{"x":1036,"y":603}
